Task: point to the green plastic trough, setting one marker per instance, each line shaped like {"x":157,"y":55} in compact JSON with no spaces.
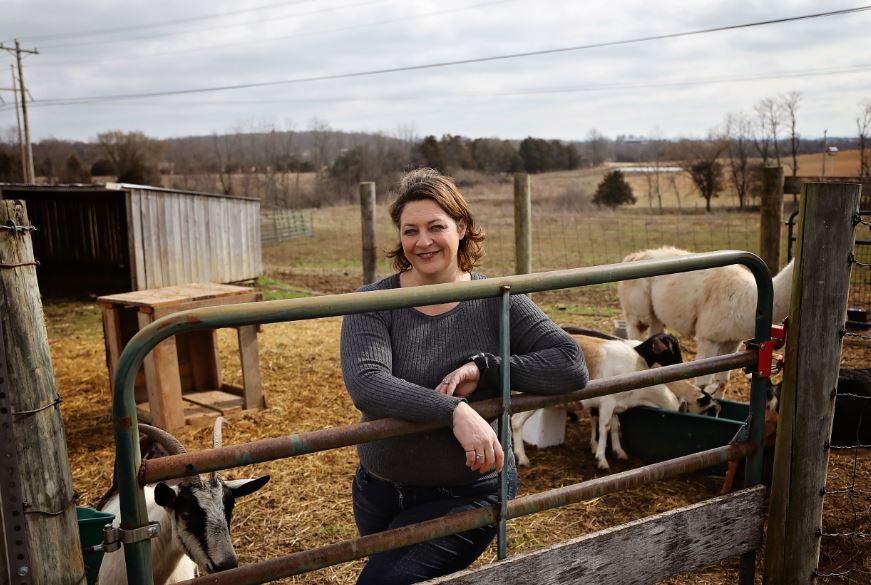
{"x":91,"y":524}
{"x":653,"y":434}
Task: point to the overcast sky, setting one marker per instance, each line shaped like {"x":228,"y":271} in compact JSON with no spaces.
{"x":671,"y":87}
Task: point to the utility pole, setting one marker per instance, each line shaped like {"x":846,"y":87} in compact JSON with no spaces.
{"x":18,"y":123}
{"x":30,"y":176}
{"x":825,"y":150}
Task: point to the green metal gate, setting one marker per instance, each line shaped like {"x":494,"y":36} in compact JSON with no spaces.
{"x":133,"y":473}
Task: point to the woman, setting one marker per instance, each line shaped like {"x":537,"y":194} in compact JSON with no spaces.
{"x":425,"y":364}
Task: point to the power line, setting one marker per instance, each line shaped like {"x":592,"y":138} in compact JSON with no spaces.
{"x":307,"y":33}
{"x":848,"y":69}
{"x":175,"y":21}
{"x":420,"y":67}
{"x":217,"y":27}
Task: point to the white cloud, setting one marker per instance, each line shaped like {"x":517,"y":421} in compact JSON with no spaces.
{"x":307,"y":38}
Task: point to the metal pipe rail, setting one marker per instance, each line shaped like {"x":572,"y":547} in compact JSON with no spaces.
{"x":349,"y":550}
{"x":194,"y":463}
{"x":128,"y":458}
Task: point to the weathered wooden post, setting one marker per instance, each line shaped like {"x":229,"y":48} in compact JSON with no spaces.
{"x":522,"y":224}
{"x":771,"y":217}
{"x":38,"y":446}
{"x":367,"y":212}
{"x":817,"y":313}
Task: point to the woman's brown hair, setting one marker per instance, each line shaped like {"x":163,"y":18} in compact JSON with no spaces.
{"x":421,"y":184}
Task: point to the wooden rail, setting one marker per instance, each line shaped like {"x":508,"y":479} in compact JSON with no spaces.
{"x":645,"y":551}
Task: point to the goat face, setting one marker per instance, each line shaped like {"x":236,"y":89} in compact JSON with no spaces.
{"x":704,"y":404}
{"x":200,"y":513}
{"x":666,"y":349}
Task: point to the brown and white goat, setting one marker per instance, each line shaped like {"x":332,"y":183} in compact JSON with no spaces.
{"x":606,"y":358}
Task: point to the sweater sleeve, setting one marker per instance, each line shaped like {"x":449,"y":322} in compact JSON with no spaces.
{"x":366,"y":357}
{"x":544,"y":358}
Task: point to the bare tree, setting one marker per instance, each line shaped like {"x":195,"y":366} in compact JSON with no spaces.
{"x":863,"y":125}
{"x":654,"y":157}
{"x":737,"y":133}
{"x":224,"y":163}
{"x":134,"y":155}
{"x":597,"y":147}
{"x":789,"y":106}
{"x":323,"y":147}
{"x":673,"y":181}
{"x":769,"y":116}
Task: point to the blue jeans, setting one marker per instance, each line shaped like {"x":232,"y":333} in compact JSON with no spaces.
{"x":381,"y":505}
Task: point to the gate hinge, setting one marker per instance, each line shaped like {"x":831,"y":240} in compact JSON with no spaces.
{"x":113,"y":536}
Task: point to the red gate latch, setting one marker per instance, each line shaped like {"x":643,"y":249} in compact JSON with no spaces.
{"x":767,"y":361}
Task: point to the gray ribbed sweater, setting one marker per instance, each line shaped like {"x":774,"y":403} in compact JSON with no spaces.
{"x":393,"y":360}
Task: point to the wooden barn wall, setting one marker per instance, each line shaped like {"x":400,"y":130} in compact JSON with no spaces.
{"x":178,"y":238}
{"x":85,"y":227}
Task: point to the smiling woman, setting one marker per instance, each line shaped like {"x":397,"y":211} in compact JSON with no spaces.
{"x":425,"y":364}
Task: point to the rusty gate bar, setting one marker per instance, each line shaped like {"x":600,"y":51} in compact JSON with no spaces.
{"x":175,"y":466}
{"x":349,"y":550}
{"x":128,"y":457}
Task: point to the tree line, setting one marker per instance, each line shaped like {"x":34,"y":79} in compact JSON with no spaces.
{"x":267,"y":160}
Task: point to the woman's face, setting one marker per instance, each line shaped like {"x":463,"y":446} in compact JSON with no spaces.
{"x":430,"y":239}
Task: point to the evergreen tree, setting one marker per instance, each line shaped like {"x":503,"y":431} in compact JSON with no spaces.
{"x":614,"y":191}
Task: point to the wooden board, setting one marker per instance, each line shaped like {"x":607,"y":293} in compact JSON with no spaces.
{"x":215,"y":400}
{"x":174,"y":295}
{"x":640,"y":552}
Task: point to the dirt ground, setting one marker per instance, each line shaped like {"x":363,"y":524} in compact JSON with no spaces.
{"x":307,"y":502}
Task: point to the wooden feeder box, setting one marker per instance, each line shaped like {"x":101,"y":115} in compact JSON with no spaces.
{"x":180,"y":382}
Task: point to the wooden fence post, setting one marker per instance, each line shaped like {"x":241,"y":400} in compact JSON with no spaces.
{"x":367,"y":211}
{"x":522,"y":224}
{"x":771,"y":217}
{"x":817,"y":313}
{"x":40,"y":445}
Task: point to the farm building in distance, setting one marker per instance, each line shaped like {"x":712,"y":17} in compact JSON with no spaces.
{"x":119,"y":237}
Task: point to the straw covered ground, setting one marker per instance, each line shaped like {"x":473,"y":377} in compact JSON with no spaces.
{"x":307,"y":502}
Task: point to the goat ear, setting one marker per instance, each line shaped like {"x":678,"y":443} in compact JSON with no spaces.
{"x":164,"y":495}
{"x":244,"y":487}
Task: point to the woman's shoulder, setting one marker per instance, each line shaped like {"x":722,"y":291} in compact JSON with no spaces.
{"x":385,"y":283}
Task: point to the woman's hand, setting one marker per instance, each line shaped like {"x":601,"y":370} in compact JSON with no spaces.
{"x":461,"y":382}
{"x":479,"y":441}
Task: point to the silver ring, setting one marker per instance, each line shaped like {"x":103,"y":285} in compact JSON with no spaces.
{"x":478,"y":456}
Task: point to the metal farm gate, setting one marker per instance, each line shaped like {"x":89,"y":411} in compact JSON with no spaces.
{"x":704,"y":533}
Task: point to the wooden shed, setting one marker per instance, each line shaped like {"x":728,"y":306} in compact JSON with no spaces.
{"x":118,"y":237}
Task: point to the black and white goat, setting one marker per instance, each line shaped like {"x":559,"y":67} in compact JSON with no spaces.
{"x":852,"y":420}
{"x":606,"y":357}
{"x":194,"y":517}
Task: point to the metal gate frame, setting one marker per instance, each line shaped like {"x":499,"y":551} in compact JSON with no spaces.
{"x":133,"y":473}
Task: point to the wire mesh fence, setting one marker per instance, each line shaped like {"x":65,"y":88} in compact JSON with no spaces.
{"x":280,"y":225}
{"x":560,"y":240}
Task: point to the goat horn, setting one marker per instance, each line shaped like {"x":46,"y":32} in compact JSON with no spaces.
{"x":217,"y":441}
{"x":163,"y":438}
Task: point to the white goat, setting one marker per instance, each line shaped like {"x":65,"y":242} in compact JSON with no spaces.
{"x":194,"y":519}
{"x":606,"y":358}
{"x":717,"y":306}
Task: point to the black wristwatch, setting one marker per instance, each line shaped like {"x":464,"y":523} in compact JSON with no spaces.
{"x":489,"y":368}
{"x":481,"y":361}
